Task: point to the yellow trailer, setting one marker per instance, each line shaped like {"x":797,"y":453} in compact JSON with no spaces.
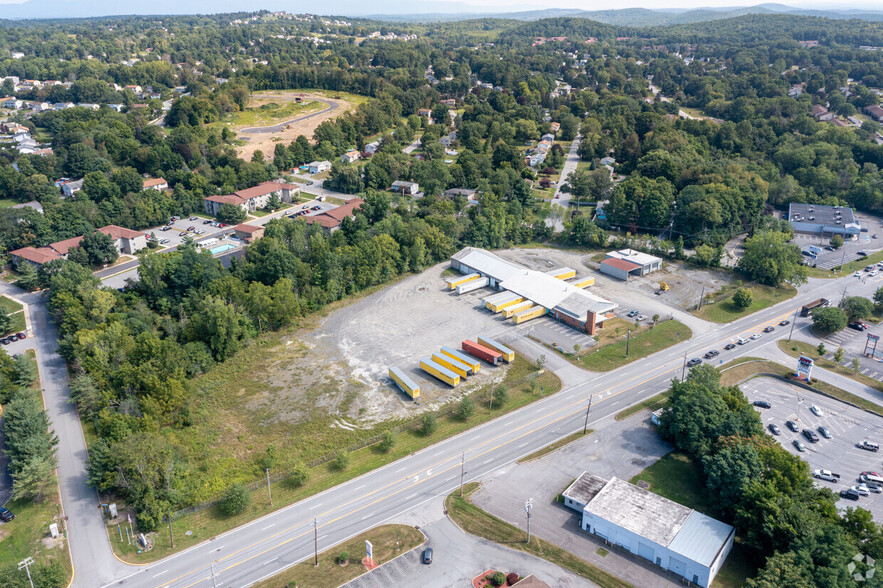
{"x":511,"y":310}
{"x":487,"y":301}
{"x":406,"y":384}
{"x":504,"y":305}
{"x":459,"y":368}
{"x":508,"y":354}
{"x":457,"y":280}
{"x":462,"y":358}
{"x":583,"y":282}
{"x":562,"y":273}
{"x":496,"y":305}
{"x":442,"y":373}
{"x":530,"y":313}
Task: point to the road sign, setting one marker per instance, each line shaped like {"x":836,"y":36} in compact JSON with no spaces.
{"x":369,"y":550}
{"x":804,"y":368}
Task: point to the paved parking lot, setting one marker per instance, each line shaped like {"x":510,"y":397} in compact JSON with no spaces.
{"x":847,"y":425}
{"x":552,"y":332}
{"x":395,"y":572}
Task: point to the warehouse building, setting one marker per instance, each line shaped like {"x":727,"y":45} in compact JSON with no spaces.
{"x":565,"y":301}
{"x":627,"y":262}
{"x":672,"y":536}
{"x":824,"y":221}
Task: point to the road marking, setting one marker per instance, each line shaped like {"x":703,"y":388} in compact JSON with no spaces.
{"x":268,"y":526}
{"x":360,"y":487}
{"x":439,"y":453}
{"x":523,"y":444}
{"x":162,"y":572}
{"x":314,"y":506}
{"x":400,"y":470}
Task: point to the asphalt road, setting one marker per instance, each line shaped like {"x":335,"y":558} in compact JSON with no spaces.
{"x":563,"y":198}
{"x":277,"y":128}
{"x":264,"y":547}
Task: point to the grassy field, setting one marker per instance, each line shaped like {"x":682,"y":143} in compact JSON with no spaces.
{"x":271,"y":114}
{"x":644,"y":341}
{"x":678,"y":478}
{"x":7,"y":202}
{"x":555,"y":446}
{"x":225,"y":388}
{"x":652,"y":403}
{"x":477,"y":522}
{"x":763,"y":296}
{"x":8,"y":305}
{"x":389,"y":541}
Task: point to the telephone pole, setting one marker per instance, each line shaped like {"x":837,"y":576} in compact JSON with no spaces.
{"x":316,"y":540}
{"x":26,"y":564}
{"x":684,"y":369}
{"x":628,"y":337}
{"x":527,"y":506}
{"x":171,"y":537}
{"x":269,"y":491}
{"x":588,"y":410}
{"x":791,"y":332}
{"x":462,"y":471}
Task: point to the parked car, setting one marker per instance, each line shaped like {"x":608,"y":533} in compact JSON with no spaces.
{"x":875,"y":488}
{"x":829,"y":248}
{"x":826,"y":475}
{"x":810,"y":436}
{"x":694,"y":362}
{"x":641,"y":317}
{"x":868,"y":446}
{"x":816,"y":410}
{"x":875,"y":474}
{"x":792,"y":426}
{"x":762,"y":404}
{"x":824,"y":432}
{"x":317,"y":207}
{"x":769,"y":329}
{"x":165,"y":228}
{"x":207,"y":222}
{"x":191,"y":228}
{"x":775,"y":430}
{"x":427,"y":555}
{"x":632,"y":313}
{"x":861,"y":489}
{"x":163,"y":241}
{"x":21,"y":336}
{"x":799,"y":446}
{"x":784,"y":323}
{"x":856,"y":326}
{"x":6,"y":514}
{"x":849,"y":494}
{"x":729,"y":346}
{"x":856,"y":275}
{"x":4,"y":341}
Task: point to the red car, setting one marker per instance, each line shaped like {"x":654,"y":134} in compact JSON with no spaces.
{"x":21,"y":336}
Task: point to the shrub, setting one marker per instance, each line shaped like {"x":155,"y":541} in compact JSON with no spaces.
{"x":343,"y":558}
{"x":430,"y":424}
{"x":388,"y":442}
{"x":235,"y":499}
{"x":501,"y":396}
{"x":498,"y":579}
{"x":742,"y":298}
{"x":299,"y":475}
{"x":466,"y":409}
{"x":512,"y":578}
{"x":821,"y":349}
{"x":341,"y":461}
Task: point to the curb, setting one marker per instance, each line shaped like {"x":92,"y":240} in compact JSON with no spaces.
{"x":425,"y":539}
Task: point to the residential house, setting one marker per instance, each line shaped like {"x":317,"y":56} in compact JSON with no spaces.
{"x":467,"y":193}
{"x":555,"y":127}
{"x":372,"y":147}
{"x":250,"y":199}
{"x":854,"y":120}
{"x":449,"y":102}
{"x":117,"y":107}
{"x":125,"y":240}
{"x":820,"y":113}
{"x":350,"y":156}
{"x":330,"y":220}
{"x":155,"y":184}
{"x":68,"y":189}
{"x":11,"y":102}
{"x":13,"y":128}
{"x":33,"y":204}
{"x":16,"y":54}
{"x":62,"y":105}
{"x":317,"y":167}
{"x":424,"y":112}
{"x":403,"y":187}
{"x":89,"y":105}
{"x":136,"y":89}
{"x":38,"y":106}
{"x":248,"y":233}
{"x":875,"y":111}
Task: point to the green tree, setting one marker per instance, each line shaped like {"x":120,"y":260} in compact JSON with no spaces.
{"x":708,"y":256}
{"x":341,"y":461}
{"x":856,"y":364}
{"x":27,"y":276}
{"x":586,"y":185}
{"x":839,"y":354}
{"x":828,"y":320}
{"x":387,"y":442}
{"x":729,"y":472}
{"x":836,"y":241}
{"x":24,"y":371}
{"x":771,"y":259}
{"x":465,"y":409}
{"x":235,"y":499}
{"x":878,"y":298}
{"x":500,"y":396}
{"x":821,"y":349}
{"x":34,"y":479}
{"x":231,"y":214}
{"x":742,"y":298}
{"x":857,"y":307}
{"x":583,"y":232}
{"x":96,"y":249}
{"x":6,"y":322}
{"x":300,"y":473}
{"x":428,"y":424}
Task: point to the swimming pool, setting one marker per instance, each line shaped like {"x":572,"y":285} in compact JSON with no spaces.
{"x":222,"y":248}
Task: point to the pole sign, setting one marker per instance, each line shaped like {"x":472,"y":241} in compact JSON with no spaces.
{"x":804,"y":368}
{"x":369,"y":550}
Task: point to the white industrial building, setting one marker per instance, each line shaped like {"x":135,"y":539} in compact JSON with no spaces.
{"x":628,"y":262}
{"x":566,"y":302}
{"x":672,"y":536}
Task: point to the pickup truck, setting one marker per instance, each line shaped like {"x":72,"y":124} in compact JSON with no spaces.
{"x":826,"y":475}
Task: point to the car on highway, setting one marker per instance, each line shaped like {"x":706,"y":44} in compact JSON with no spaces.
{"x":742,"y":341}
{"x":784,"y":323}
{"x":755,"y":336}
{"x":427,"y":555}
{"x":849,"y":494}
{"x":774,"y":429}
{"x":816,"y":410}
{"x":824,"y":432}
{"x":712,"y":354}
{"x":799,"y":446}
{"x":792,"y":426}
{"x":694,"y":362}
{"x":769,"y":329}
{"x":729,"y":346}
{"x":762,"y":404}
{"x":6,"y":515}
{"x":633,"y":313}
{"x":810,"y":436}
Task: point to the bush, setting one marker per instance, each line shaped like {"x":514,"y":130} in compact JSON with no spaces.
{"x":430,"y":424}
{"x":343,"y":558}
{"x":512,"y":578}
{"x":498,"y":579}
{"x":235,"y":499}
{"x":388,"y":442}
{"x":299,"y":475}
{"x":341,"y":461}
{"x":742,"y":298}
{"x":466,"y":409}
{"x":501,"y":396}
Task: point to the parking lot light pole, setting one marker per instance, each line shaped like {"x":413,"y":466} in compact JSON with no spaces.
{"x":628,"y":337}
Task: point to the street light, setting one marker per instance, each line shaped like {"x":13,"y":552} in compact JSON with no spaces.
{"x":527,"y":506}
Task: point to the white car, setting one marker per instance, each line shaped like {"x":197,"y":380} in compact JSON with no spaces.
{"x":862,"y":490}
{"x":742,"y":341}
{"x":857,"y":275}
{"x":873,"y":273}
{"x":816,"y":410}
{"x":755,"y":336}
{"x":641,"y":317}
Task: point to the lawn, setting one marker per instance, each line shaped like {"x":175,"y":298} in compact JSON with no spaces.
{"x":388,"y":541}
{"x":652,"y":403}
{"x":270,"y":114}
{"x":18,"y":323}
{"x":7,"y":202}
{"x":643,"y":342}
{"x":8,"y":305}
{"x":224,"y":390}
{"x":477,"y":522}
{"x":555,"y":446}
{"x":762,"y":297}
{"x":798,"y":348}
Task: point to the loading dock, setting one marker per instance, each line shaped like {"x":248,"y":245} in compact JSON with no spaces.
{"x":531,"y":313}
{"x":458,"y":280}
{"x":512,"y":310}
{"x":471,"y":286}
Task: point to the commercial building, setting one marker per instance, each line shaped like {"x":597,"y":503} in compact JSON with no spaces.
{"x":823,"y":221}
{"x":253,"y":198}
{"x":568,"y":303}
{"x":670,"y":535}
{"x":628,"y":262}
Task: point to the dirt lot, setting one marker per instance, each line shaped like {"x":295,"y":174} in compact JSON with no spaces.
{"x":266,"y":142}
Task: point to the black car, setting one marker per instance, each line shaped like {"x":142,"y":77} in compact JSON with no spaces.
{"x":810,"y":436}
{"x":824,"y":432}
{"x":829,"y":248}
{"x":4,"y":341}
{"x":793,"y":426}
{"x":6,"y":514}
{"x":207,"y":222}
{"x":762,"y":404}
{"x":427,"y":555}
{"x":785,"y":322}
{"x":694,"y":362}
{"x":729,"y":346}
{"x":774,"y":429}
{"x":856,"y":326}
{"x":769,"y":329}
{"x":712,"y":354}
{"x":849,"y":494}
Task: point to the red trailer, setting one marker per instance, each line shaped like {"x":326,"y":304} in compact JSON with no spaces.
{"x":482,"y":352}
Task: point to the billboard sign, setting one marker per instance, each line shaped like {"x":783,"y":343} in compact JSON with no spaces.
{"x":804,"y":368}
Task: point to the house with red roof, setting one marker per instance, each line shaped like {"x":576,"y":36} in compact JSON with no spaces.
{"x":125,"y":240}
{"x":155,"y":184}
{"x":250,"y":199}
{"x":330,"y":220}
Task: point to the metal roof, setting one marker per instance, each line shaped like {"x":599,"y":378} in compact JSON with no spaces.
{"x":622,"y":264}
{"x":818,"y":214}
{"x":487,"y":263}
{"x":701,"y":538}
{"x":633,"y":256}
{"x":585,"y":488}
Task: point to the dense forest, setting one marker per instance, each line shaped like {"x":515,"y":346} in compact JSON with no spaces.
{"x":747,"y":143}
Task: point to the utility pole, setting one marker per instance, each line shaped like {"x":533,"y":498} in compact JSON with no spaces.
{"x":628,"y":337}
{"x":462,"y":471}
{"x":316,"y":540}
{"x":701,"y":296}
{"x":212,"y":565}
{"x":26,"y":564}
{"x":269,"y":491}
{"x":588,"y":410}
{"x":684,"y":369}
{"x":171,"y":537}
{"x":527,"y":506}
{"x":791,"y":332}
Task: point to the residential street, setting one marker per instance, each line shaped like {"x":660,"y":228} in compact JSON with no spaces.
{"x":563,"y":198}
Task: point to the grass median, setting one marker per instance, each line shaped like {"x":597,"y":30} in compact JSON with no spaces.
{"x":762,"y":297}
{"x":477,"y":522}
{"x":388,"y":541}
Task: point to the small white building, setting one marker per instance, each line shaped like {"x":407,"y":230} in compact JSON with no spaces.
{"x":317,"y":167}
{"x":350,"y":156}
{"x":670,"y":535}
{"x":403,"y":187}
{"x":372,"y":147}
{"x":68,"y":189}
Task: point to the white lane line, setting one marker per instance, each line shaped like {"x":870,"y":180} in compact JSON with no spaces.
{"x":438,"y":453}
{"x":315,"y":506}
{"x":161,"y":573}
{"x":525,"y":444}
{"x":360,"y":487}
{"x":400,"y":470}
{"x":272,"y":560}
{"x":268,"y":526}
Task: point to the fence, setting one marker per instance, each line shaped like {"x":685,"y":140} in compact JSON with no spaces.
{"x":447,"y":409}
